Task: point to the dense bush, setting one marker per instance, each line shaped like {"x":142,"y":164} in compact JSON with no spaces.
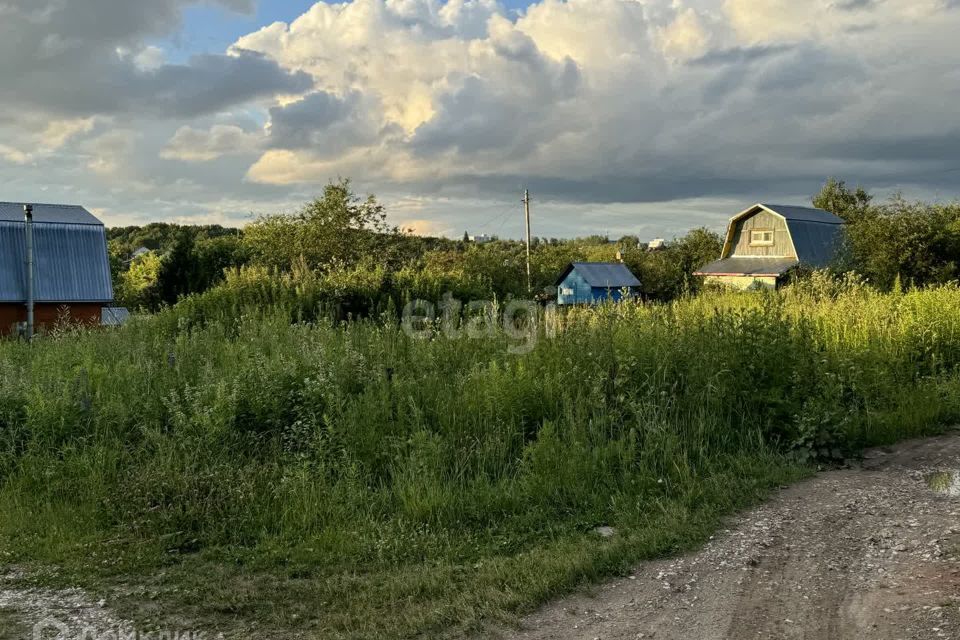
{"x":897,"y":242}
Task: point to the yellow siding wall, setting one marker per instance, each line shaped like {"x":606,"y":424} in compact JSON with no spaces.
{"x":782,"y":247}
{"x":743,"y":282}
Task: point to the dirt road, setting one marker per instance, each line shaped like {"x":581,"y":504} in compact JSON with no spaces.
{"x":872,"y":552}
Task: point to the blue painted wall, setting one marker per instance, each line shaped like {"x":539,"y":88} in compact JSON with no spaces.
{"x":583,"y":293}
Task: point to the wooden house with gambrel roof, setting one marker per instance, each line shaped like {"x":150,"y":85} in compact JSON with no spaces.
{"x":766,"y":241}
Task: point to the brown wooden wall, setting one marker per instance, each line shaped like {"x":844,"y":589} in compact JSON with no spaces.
{"x":782,"y":247}
{"x":46,"y":314}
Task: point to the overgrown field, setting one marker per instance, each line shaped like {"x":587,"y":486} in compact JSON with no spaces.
{"x":350,"y":481}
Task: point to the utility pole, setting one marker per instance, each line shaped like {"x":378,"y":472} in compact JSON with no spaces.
{"x":526,"y":211}
{"x":28,"y":222}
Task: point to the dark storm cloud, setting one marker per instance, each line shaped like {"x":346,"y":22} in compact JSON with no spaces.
{"x":653,"y":187}
{"x":296,"y":125}
{"x":738,"y":55}
{"x":73,"y":58}
{"x":941,"y":148}
{"x":96,"y":22}
{"x":469,"y":120}
{"x":805,"y":67}
{"x":328,"y":124}
{"x":478,"y":116}
{"x":208,"y":83}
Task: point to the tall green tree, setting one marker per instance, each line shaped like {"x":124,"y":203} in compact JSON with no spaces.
{"x":180,"y":271}
{"x":838,"y":199}
{"x":339,"y":228}
{"x":137,"y":287}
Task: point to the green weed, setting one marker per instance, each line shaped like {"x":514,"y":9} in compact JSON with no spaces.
{"x":250,"y":469}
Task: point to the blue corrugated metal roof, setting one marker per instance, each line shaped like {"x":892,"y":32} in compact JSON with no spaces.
{"x":603,"y":274}
{"x":748,"y":267}
{"x":42,"y":213}
{"x":71,"y":263}
{"x":816,"y":243}
{"x":804,"y":214}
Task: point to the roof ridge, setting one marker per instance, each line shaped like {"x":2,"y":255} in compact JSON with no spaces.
{"x":795,"y":206}
{"x":44,"y":204}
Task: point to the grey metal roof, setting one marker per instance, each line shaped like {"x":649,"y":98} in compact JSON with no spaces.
{"x":816,"y":243}
{"x":749,"y":267}
{"x":602,"y":274}
{"x":804,"y":214}
{"x":44,"y":213}
{"x":71,"y":263}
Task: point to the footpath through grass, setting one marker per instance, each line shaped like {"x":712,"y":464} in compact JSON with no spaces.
{"x":351,"y":482}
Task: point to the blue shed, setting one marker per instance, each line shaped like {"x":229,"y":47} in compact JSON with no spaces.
{"x":595,"y":282}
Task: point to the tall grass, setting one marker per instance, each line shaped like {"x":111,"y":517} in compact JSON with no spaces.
{"x":447,"y":475}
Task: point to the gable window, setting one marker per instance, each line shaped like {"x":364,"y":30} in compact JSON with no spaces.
{"x":761,"y":238}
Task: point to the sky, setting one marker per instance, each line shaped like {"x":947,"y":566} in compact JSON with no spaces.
{"x":645,"y":117}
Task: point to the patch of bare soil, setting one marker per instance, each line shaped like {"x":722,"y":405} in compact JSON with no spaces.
{"x":871,"y":552}
{"x":52,"y":613}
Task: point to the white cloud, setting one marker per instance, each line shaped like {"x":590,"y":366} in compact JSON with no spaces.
{"x":108,"y":153}
{"x":58,"y":132}
{"x":150,"y":58}
{"x":589,"y":102}
{"x":198,"y":145}
{"x":35,"y":138}
{"x":608,"y":98}
{"x":686,"y":37}
{"x":14,"y":155}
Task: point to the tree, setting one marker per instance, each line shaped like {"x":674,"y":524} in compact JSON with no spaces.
{"x":137,"y":286}
{"x":836,"y":198}
{"x":912,"y":242}
{"x":697,"y":248}
{"x":337,"y":228}
{"x":668,"y":273}
{"x":179,"y":270}
{"x":213,"y":256}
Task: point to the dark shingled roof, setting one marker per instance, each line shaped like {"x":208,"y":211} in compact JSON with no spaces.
{"x":748,"y":267}
{"x":612,"y":275}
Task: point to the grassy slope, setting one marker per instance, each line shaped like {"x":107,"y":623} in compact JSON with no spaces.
{"x":351,"y":482}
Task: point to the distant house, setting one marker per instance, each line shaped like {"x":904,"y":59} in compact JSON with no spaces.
{"x":481,"y":239}
{"x":763,"y":243}
{"x":114,"y":316}
{"x":656,"y":244}
{"x":595,"y":282}
{"x":71,"y":270}
{"x":139,"y":252}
